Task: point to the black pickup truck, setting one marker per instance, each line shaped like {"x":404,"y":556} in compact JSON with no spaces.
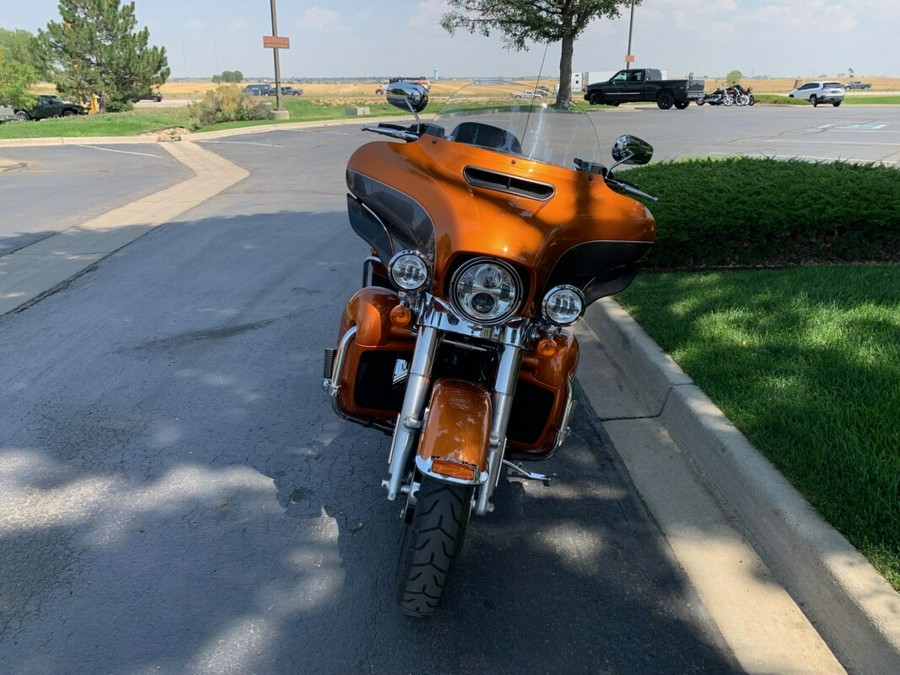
{"x":50,"y":106}
{"x":644,"y":84}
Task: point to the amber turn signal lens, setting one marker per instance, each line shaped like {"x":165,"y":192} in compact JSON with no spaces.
{"x":453,"y":469}
{"x":401,"y":316}
{"x":547,"y":348}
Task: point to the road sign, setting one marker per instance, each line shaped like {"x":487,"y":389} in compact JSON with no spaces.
{"x":629,"y":58}
{"x":276,"y":42}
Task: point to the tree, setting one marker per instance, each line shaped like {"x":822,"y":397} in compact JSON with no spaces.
{"x":229,"y":76}
{"x":524,"y":21}
{"x":734,"y":77}
{"x":15,"y":79}
{"x":23,"y":47}
{"x":95,"y":49}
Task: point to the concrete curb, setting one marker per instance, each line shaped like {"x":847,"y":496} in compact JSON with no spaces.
{"x":855,"y":610}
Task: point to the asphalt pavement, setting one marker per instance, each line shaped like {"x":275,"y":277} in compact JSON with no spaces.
{"x":178,"y":496}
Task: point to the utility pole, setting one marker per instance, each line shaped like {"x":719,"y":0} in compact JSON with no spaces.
{"x":278,"y":107}
{"x":628,"y":57}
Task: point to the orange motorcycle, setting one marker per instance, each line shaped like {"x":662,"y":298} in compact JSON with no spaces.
{"x":492,"y":228}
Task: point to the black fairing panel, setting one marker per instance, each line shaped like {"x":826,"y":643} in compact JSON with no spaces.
{"x":406,"y":224}
{"x":599,"y":268}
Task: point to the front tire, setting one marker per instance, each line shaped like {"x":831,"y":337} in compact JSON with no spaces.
{"x":814,"y":100}
{"x":431,"y":544}
{"x":596,"y":98}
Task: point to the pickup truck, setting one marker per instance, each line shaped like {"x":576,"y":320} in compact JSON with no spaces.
{"x":50,"y":106}
{"x":856,"y":84}
{"x":644,"y":84}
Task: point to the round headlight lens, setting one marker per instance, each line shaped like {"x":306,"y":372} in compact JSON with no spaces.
{"x":409,"y":271}
{"x":563,"y":305}
{"x":486,"y":291}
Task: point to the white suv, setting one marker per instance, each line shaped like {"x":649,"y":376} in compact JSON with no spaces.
{"x":820,"y":92}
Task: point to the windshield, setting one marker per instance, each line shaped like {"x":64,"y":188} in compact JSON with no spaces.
{"x":517,"y":119}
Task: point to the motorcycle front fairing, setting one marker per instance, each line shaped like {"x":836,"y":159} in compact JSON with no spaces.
{"x":501,"y":184}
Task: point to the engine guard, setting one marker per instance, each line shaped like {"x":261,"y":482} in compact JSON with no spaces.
{"x":453,"y":445}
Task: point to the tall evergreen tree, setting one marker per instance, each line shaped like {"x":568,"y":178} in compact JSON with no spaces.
{"x":524,"y":21}
{"x":96,"y":49}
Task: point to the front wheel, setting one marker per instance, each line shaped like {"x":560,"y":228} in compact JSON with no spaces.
{"x":665,"y":100}
{"x":814,"y":100}
{"x":596,"y":98}
{"x":431,"y":544}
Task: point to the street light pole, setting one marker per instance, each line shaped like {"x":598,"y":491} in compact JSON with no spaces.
{"x":630,"y":26}
{"x":277,"y":62}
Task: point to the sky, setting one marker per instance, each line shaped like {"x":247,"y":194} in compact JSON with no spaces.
{"x":369,"y":38}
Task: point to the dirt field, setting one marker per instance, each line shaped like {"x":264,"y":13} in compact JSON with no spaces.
{"x":355,"y":91}
{"x":366,"y":90}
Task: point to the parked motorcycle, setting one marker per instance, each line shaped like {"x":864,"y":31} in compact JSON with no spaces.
{"x":491,"y":228}
{"x":742,"y":96}
{"x":718,"y":97}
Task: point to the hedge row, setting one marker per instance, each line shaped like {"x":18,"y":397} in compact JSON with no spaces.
{"x":766,"y":212}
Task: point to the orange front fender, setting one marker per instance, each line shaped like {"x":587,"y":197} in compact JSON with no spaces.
{"x":453,"y":445}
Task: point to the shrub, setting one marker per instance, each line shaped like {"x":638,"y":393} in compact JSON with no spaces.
{"x":226,"y":104}
{"x":119,"y":106}
{"x":764,"y":212}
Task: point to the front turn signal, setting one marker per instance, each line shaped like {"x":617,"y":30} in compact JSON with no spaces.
{"x":401,"y":316}
{"x":547,"y":348}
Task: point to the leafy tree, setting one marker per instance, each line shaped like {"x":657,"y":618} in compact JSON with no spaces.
{"x":229,"y":76}
{"x":734,"y":77}
{"x":23,"y":47}
{"x":524,"y":21}
{"x":15,"y":79}
{"x":96,"y":50}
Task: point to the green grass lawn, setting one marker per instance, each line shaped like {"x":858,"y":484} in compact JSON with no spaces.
{"x":806,"y":363}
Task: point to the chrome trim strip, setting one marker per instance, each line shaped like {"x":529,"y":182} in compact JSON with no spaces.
{"x":441,"y":315}
{"x":424,"y":466}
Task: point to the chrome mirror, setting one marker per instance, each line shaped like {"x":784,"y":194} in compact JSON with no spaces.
{"x":630,"y":149}
{"x":409,"y":96}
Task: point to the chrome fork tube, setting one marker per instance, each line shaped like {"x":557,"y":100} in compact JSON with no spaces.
{"x":410,"y":420}
{"x":504,"y":390}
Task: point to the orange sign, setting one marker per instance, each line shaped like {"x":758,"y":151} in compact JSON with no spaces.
{"x":276,"y":42}
{"x":629,"y":58}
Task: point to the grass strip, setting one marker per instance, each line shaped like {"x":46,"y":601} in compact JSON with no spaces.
{"x":806,"y":363}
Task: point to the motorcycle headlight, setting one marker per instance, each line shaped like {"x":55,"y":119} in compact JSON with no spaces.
{"x":409,"y":271}
{"x":563,"y":305}
{"x":486,"y":291}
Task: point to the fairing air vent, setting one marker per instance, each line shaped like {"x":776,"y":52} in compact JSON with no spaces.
{"x":500,"y":181}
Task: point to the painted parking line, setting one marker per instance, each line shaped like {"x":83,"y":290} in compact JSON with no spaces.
{"x":122,"y":152}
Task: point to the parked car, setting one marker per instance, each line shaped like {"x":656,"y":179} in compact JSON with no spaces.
{"x":50,"y":106}
{"x":528,"y":94}
{"x":155,"y":96}
{"x":856,"y":84}
{"x":820,"y":91}
{"x":259,"y":90}
{"x":290,"y":91}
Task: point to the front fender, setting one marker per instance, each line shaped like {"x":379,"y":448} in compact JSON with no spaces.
{"x":453,"y":445}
